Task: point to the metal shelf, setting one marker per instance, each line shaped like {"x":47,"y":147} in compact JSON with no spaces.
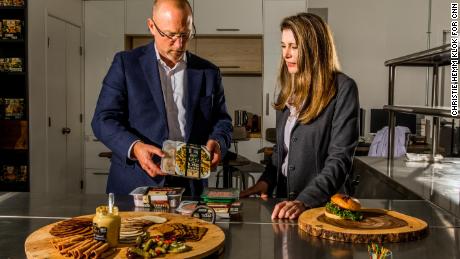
{"x":12,"y":7}
{"x":13,"y":73}
{"x":12,"y":41}
{"x":425,"y":110}
{"x":435,"y":58}
{"x":439,"y":56}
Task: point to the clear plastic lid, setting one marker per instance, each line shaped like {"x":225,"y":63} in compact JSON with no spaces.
{"x":186,"y":160}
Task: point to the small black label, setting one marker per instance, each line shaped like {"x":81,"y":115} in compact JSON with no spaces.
{"x":100,"y":233}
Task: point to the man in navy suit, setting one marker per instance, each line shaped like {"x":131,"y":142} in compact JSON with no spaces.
{"x":158,"y":92}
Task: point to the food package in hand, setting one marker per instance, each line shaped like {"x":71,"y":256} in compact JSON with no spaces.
{"x":186,"y":160}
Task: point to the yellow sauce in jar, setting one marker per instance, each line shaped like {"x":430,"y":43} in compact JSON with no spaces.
{"x":106,"y":225}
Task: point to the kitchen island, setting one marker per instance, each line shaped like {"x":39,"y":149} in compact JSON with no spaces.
{"x":253,"y":235}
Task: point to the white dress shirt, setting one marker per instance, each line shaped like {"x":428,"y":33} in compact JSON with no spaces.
{"x":291,"y":121}
{"x":176,"y":79}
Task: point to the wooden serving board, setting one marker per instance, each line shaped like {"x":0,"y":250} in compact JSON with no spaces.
{"x":378,"y":225}
{"x":38,"y":244}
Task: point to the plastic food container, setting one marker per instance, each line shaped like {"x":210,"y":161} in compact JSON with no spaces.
{"x":174,"y":200}
{"x":186,"y":160}
{"x":155,"y":197}
{"x":220,"y":195}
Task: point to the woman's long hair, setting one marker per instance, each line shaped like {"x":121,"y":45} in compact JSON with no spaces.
{"x":313,"y":86}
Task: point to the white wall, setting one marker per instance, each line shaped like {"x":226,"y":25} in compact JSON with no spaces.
{"x":243,"y":93}
{"x":38,"y":10}
{"x":369,"y":32}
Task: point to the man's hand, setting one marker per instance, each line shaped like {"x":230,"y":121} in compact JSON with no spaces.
{"x":288,"y":210}
{"x":260,"y":187}
{"x":216,"y":155}
{"x":144,"y":153}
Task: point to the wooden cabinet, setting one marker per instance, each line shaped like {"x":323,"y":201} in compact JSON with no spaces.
{"x":104,"y":36}
{"x":228,"y":17}
{"x":137,"y":13}
{"x":133,"y":42}
{"x":233,"y":55}
{"x":274,"y":12}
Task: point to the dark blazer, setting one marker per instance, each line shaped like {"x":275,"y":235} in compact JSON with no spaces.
{"x":320,"y":152}
{"x":131,"y":107}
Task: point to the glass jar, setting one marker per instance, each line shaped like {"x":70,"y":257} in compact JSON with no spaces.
{"x":106,"y":225}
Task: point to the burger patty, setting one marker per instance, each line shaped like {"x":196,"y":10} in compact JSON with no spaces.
{"x":343,"y":213}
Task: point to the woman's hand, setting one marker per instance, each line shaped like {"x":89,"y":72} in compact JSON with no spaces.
{"x":261,"y":187}
{"x":288,"y":210}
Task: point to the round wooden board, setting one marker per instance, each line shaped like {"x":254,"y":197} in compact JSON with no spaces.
{"x":378,"y":225}
{"x":38,"y":244}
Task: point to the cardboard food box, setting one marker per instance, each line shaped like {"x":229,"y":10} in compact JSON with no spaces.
{"x":13,"y":108}
{"x":14,"y":64}
{"x":11,"y":29}
{"x":3,"y":67}
{"x":186,"y":160}
{"x":11,"y":65}
{"x":18,"y":2}
{"x":9,"y":173}
{"x":11,"y":2}
{"x":154,"y":197}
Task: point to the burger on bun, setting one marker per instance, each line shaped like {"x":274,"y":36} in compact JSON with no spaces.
{"x":343,"y":206}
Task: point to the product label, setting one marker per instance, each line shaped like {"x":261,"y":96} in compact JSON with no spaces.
{"x":100,"y":233}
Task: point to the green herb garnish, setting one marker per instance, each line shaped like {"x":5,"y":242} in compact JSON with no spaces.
{"x":343,"y":213}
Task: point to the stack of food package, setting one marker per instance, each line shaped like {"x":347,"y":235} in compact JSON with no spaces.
{"x":154,"y":197}
{"x":225,"y":202}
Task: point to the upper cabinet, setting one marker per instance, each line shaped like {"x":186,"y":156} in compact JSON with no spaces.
{"x":233,"y":17}
{"x":137,"y":13}
{"x":233,"y":55}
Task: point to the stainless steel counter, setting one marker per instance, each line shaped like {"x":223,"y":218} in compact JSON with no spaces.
{"x":438,"y":183}
{"x":253,"y":235}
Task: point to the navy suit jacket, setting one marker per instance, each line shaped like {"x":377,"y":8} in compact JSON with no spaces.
{"x":131,"y":107}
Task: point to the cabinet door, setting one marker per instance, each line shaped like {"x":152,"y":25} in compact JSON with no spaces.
{"x":274,"y":12}
{"x":104,"y":36}
{"x":96,"y":181}
{"x":93,"y":148}
{"x":137,"y":13}
{"x":228,"y":17}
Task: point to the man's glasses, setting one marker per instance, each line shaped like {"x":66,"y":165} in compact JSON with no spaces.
{"x":174,"y":36}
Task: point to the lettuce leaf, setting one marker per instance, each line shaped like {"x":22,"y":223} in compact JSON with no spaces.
{"x":343,"y":213}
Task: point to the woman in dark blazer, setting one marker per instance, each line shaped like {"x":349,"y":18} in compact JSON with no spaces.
{"x":316,"y":121}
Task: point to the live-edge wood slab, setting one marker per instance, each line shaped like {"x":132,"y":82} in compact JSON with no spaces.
{"x":38,"y":243}
{"x":378,"y":225}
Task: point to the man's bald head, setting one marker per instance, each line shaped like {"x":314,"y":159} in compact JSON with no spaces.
{"x":179,"y":5}
{"x":172,"y":27}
